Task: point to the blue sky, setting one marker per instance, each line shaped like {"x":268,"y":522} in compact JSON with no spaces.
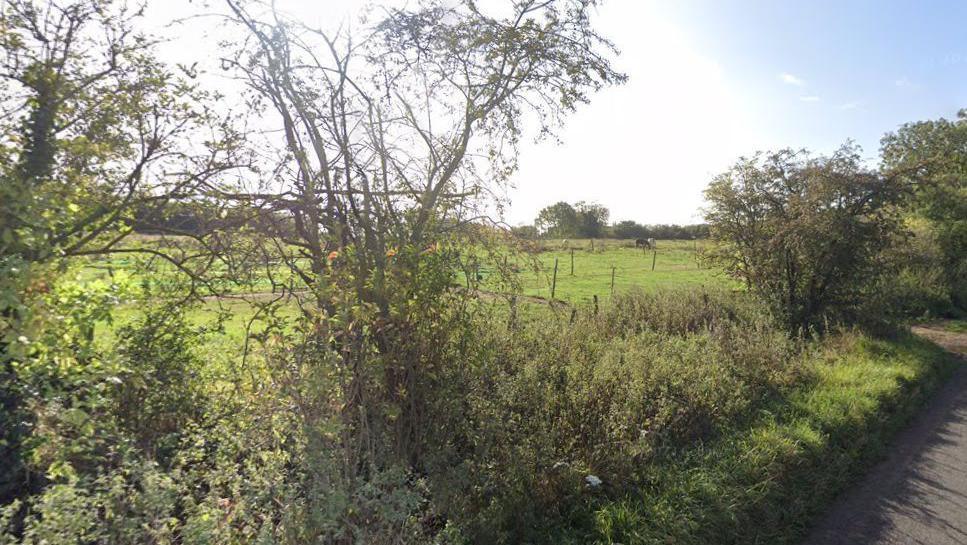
{"x":713,"y":80}
{"x":868,"y":65}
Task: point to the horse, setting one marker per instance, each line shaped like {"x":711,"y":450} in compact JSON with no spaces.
{"x":648,"y":243}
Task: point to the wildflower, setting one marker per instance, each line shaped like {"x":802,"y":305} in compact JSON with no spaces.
{"x":391,"y":252}
{"x":333,"y":255}
{"x":23,"y":340}
{"x":593,"y":481}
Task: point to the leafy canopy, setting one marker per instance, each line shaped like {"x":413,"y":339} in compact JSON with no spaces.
{"x":804,"y":233}
{"x":931,"y":156}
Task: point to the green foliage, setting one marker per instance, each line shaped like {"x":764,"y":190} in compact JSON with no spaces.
{"x":764,"y":480}
{"x":525,"y":232}
{"x":630,"y":229}
{"x":562,"y":220}
{"x":371,"y":397}
{"x":551,"y":401}
{"x":160,"y":390}
{"x":633,"y":230}
{"x":913,"y":282}
{"x":136,"y":503}
{"x":14,"y":278}
{"x":932,"y":157}
{"x":592,"y":219}
{"x":559,"y":220}
{"x":77,"y":163}
{"x":55,"y":378}
{"x":804,"y":234}
{"x":698,"y":414}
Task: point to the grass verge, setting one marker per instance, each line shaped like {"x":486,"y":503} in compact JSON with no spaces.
{"x":764,"y":481}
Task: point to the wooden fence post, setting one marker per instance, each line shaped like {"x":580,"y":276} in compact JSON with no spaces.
{"x":554,"y":281}
{"x":612,"y":280}
{"x":595,"y":305}
{"x":572,"y":261}
{"x":654,"y":256}
{"x":512,"y":319}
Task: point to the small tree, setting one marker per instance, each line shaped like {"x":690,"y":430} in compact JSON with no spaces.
{"x":558,"y":220}
{"x":592,"y":219}
{"x":92,"y":128}
{"x":384,"y":141}
{"x":803,"y":233}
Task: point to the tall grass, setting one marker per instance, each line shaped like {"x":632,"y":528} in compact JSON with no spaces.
{"x":558,"y":399}
{"x":763,"y":481}
{"x":661,"y":417}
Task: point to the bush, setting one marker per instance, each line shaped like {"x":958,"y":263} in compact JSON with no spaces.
{"x":159,"y":389}
{"x":543,"y":430}
{"x":914,"y":283}
{"x":803,"y":233}
{"x":550,"y":404}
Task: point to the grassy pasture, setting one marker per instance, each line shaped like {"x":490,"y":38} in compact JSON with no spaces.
{"x":672,"y":264}
{"x":676,"y":263}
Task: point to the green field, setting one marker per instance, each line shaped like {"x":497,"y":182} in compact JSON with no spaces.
{"x":585,"y":269}
{"x":673,"y":263}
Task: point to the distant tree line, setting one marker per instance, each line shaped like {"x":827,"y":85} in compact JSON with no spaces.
{"x":633,"y":229}
{"x":590,"y":220}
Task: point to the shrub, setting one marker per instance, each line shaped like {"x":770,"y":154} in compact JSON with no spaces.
{"x":913,"y":284}
{"x":554,"y":402}
{"x":159,"y":388}
{"x":803,"y":233}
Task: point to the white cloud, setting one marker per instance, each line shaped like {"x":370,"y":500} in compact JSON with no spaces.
{"x":790,"y":79}
{"x":850,"y":105}
{"x":904,"y":83}
{"x":809,"y":98}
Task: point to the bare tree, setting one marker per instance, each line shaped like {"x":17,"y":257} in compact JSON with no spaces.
{"x":393,"y":134}
{"x":384,"y":141}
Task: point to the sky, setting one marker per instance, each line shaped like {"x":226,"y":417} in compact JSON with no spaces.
{"x":710,"y":81}
{"x":713,"y":80}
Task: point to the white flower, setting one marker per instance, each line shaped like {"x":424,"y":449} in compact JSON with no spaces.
{"x":23,"y":340}
{"x":593,"y":481}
